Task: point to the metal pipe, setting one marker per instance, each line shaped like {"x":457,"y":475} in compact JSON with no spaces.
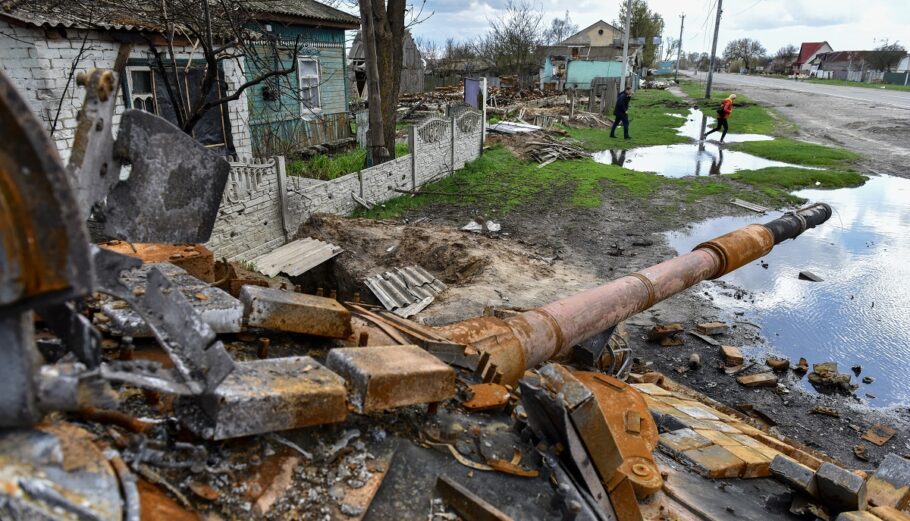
{"x":533,"y":337}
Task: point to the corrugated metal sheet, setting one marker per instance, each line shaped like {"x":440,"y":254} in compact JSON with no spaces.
{"x":405,"y":291}
{"x":295,"y":257}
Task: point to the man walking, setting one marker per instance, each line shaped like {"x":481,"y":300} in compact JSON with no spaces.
{"x":621,"y":113}
{"x":723,"y":114}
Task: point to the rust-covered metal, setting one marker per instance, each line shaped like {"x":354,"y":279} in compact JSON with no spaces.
{"x":295,"y":312}
{"x":530,"y":338}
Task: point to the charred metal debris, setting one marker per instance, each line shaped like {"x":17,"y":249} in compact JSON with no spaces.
{"x":175,"y":388}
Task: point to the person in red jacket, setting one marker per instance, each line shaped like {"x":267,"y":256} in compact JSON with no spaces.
{"x":723,"y":114}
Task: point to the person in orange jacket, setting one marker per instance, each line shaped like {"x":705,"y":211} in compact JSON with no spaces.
{"x":723,"y":114}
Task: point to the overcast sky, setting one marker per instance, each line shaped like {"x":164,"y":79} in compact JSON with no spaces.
{"x":845,"y":24}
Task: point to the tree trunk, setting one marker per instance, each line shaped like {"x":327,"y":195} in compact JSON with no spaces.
{"x":389,"y":36}
{"x":377,"y":151}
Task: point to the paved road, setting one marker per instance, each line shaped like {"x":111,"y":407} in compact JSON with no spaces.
{"x":893,"y":98}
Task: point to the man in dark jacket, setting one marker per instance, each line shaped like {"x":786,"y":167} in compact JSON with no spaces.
{"x":621,"y":113}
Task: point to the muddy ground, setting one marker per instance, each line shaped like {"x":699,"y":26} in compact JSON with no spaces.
{"x":547,"y":250}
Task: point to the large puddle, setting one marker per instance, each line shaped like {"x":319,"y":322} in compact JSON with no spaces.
{"x":696,"y":158}
{"x":858,"y":313}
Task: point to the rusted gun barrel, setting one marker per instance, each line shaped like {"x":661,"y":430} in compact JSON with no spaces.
{"x":532,"y":337}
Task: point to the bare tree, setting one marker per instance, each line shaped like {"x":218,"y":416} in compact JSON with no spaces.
{"x":886,"y":55}
{"x":670,"y":47}
{"x":215,"y":31}
{"x":783,"y":59}
{"x":747,"y":50}
{"x":514,"y":38}
{"x":559,"y":30}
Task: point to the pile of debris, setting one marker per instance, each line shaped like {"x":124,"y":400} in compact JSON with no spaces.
{"x":547,"y":151}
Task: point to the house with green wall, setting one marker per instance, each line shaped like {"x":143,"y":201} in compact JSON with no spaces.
{"x":309,"y":107}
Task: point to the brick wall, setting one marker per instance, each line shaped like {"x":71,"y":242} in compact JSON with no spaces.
{"x":39,"y":64}
{"x":262,"y":207}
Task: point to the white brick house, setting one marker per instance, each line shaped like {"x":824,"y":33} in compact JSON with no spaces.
{"x":38,"y":55}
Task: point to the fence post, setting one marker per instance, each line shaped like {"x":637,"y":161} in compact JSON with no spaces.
{"x":483,"y":117}
{"x":412,"y":147}
{"x":452,"y":145}
{"x":283,"y":195}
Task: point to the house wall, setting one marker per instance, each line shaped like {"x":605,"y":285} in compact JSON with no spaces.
{"x":599,"y":40}
{"x":39,"y":64}
{"x":284,"y":116}
{"x":579,"y":73}
{"x":262,"y":208}
{"x":806,"y":67}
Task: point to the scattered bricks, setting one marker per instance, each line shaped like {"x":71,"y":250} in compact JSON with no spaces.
{"x":714,"y":462}
{"x":890,"y":514}
{"x":840,"y":489}
{"x":664,"y":330}
{"x":295,"y":312}
{"x":733,"y":356}
{"x":697,"y":411}
{"x":268,"y":395}
{"x":859,"y":515}
{"x":758,"y":380}
{"x":778,"y":364}
{"x":711,"y":328}
{"x":652,"y":389}
{"x":759,"y":447}
{"x":196,"y":259}
{"x":676,"y":442}
{"x":757,"y":464}
{"x":718,"y":438}
{"x":805,"y":458}
{"x":385,"y":377}
{"x":794,"y":474}
{"x":890,"y":485}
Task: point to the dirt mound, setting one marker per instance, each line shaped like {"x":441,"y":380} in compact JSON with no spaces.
{"x":479,"y":270}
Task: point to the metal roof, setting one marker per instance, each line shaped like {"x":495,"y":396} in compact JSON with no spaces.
{"x":141,"y":17}
{"x":295,"y":257}
{"x":405,"y":291}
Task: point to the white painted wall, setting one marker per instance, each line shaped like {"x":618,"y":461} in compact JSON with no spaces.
{"x":39,"y":66}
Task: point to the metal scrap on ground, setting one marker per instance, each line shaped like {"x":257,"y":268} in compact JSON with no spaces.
{"x":405,"y":291}
{"x":295,"y":257}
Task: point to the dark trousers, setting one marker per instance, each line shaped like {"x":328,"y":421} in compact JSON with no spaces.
{"x":721,"y":123}
{"x":617,"y":119}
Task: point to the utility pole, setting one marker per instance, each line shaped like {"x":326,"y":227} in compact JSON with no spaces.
{"x":625,"y":43}
{"x":682,"y":23}
{"x":714,"y":49}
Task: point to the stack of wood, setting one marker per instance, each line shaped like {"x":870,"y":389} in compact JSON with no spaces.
{"x":549,"y":150}
{"x":590,"y":119}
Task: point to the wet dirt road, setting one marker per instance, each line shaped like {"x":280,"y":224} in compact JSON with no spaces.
{"x":872,"y":122}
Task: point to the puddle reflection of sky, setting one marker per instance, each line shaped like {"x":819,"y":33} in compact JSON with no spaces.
{"x":860,"y":312}
{"x":697,"y":158}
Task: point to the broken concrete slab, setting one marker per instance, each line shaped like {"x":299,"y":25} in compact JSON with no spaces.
{"x":758,"y":380}
{"x":268,"y":395}
{"x":714,"y":462}
{"x":841,"y":489}
{"x":222,"y":312}
{"x":733,"y":356}
{"x":795,"y":474}
{"x":676,"y":442}
{"x":196,"y":259}
{"x":890,"y":484}
{"x":386,"y":377}
{"x":280,"y":310}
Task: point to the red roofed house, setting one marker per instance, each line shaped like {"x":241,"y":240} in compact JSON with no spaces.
{"x":807,"y":52}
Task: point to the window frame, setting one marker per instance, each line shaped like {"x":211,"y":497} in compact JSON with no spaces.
{"x":304,"y":109}
{"x":131,"y":91}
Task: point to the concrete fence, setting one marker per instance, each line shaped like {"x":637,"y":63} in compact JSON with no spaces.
{"x":262,"y":206}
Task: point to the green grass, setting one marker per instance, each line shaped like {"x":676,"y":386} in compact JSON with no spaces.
{"x":649,"y":123}
{"x":777,"y":182}
{"x":798,"y":152}
{"x":884,"y":86}
{"x":326,"y":168}
{"x":747,"y":118}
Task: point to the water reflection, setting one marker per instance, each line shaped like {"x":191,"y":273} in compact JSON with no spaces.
{"x":858,"y":313}
{"x":701,"y":157}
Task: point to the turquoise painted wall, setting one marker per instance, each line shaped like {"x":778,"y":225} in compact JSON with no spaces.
{"x":284,"y":113}
{"x":581,"y":72}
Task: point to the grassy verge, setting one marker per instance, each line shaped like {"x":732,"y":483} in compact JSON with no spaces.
{"x":649,"y":123}
{"x":798,"y":152}
{"x":326,"y":167}
{"x":747,"y":118}
{"x":843,"y":83}
{"x":776,"y":183}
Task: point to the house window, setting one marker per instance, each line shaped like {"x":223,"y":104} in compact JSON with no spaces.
{"x":141,"y":85}
{"x":308,"y":73}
